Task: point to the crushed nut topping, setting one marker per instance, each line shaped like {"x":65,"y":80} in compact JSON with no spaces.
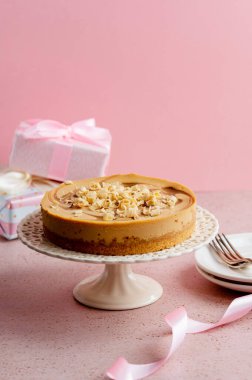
{"x":116,"y":200}
{"x":53,"y":206}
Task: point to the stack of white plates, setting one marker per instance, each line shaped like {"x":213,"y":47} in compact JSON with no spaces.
{"x":217,"y":272}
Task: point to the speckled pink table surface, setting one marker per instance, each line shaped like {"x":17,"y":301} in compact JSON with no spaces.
{"x":45,"y":334}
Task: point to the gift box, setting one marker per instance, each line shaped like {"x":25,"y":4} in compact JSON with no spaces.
{"x":19,"y":196}
{"x":53,"y":150}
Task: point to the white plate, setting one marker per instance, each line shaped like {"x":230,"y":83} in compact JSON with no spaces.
{"x":240,"y":286}
{"x":207,"y":261}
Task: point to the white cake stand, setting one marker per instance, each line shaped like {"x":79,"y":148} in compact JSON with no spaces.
{"x":118,"y":287}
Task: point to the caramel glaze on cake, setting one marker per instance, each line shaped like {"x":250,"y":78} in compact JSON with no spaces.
{"x":119,"y":215}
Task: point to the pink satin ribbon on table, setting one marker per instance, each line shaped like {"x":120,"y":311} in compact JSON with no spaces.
{"x":84,"y":131}
{"x":181,"y":325}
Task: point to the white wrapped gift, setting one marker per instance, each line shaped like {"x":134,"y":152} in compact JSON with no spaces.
{"x":53,"y":150}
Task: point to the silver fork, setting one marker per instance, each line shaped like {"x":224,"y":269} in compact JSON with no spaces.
{"x":227,"y":253}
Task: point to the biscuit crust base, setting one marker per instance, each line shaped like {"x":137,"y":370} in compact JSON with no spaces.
{"x":131,"y":245}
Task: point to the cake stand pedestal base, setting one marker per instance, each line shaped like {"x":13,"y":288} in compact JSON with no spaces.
{"x":117,"y":288}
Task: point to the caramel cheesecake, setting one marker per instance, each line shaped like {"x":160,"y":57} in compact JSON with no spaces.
{"x":119,"y":215}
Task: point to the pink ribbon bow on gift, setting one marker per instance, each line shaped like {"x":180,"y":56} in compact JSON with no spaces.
{"x":83,"y":131}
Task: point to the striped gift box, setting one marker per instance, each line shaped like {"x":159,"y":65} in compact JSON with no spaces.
{"x":13,"y":208}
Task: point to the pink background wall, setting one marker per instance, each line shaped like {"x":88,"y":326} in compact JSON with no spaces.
{"x":171,"y":79}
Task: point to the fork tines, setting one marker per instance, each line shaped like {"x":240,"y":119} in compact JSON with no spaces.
{"x":226,"y":251}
